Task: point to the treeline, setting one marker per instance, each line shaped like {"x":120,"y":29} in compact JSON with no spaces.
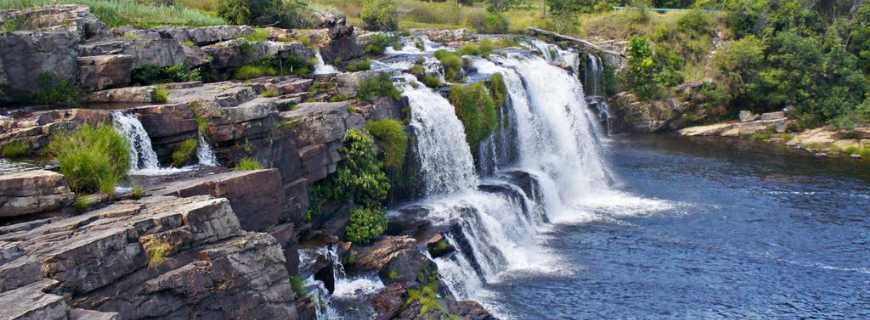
{"x":810,"y":56}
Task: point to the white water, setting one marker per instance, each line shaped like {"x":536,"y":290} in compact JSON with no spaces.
{"x":592,"y":78}
{"x":142,"y":155}
{"x":321,"y":67}
{"x":205,"y":154}
{"x":447,"y":165}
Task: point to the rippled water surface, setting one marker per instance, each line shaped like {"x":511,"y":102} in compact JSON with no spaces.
{"x":747,"y":235}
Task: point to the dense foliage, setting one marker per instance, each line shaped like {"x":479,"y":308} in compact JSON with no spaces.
{"x":806,"y":55}
{"x":365,"y":225}
{"x":248,"y":164}
{"x":91,"y":158}
{"x":378,"y":86}
{"x":452,"y":63}
{"x":649,"y":72}
{"x":279,"y":13}
{"x":151,"y":74}
{"x":477,"y":111}
{"x":391,"y":135}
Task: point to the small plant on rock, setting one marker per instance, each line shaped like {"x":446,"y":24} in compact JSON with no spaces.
{"x":91,"y":158}
{"x":184,"y":152}
{"x":365,"y":225}
{"x":14,"y":150}
{"x":378,"y":86}
{"x":160,"y":94}
{"x":248,"y":164}
{"x":452,"y":64}
{"x":391,"y":134}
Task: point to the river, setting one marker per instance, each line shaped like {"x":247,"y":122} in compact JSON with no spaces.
{"x":746,"y":234}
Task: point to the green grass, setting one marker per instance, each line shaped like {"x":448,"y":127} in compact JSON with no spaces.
{"x":14,"y":150}
{"x":91,"y":158}
{"x":452,"y":64}
{"x":297,"y":283}
{"x":82,"y":203}
{"x":184,"y":152}
{"x":137,"y":193}
{"x":254,"y":71}
{"x":360,"y":65}
{"x":477,"y":111}
{"x":160,"y":94}
{"x":248,"y":164}
{"x":259,"y":35}
{"x":391,"y":134}
{"x":116,"y":13}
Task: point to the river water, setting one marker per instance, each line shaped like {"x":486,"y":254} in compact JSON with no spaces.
{"x":744,"y":234}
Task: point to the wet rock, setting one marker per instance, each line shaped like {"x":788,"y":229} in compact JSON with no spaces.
{"x":106,"y":71}
{"x":469,"y":310}
{"x":376,"y":256}
{"x":438,"y":246}
{"x":389,"y":302}
{"x":33,"y":192}
{"x":407,"y":266}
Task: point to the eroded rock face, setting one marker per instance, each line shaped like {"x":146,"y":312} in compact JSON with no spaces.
{"x":35,"y":128}
{"x":31,"y":302}
{"x":318,"y":130}
{"x":32,"y":192}
{"x":159,"y":257}
{"x":69,"y":17}
{"x":106,"y":71}
{"x":28,"y":56}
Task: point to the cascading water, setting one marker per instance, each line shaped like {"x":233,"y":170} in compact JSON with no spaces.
{"x":321,"y":67}
{"x":592,"y":77}
{"x":142,"y":155}
{"x":205,"y":154}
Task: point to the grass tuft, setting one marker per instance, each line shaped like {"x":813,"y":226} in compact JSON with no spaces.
{"x":91,"y":158}
{"x":184,"y":152}
{"x":248,"y":164}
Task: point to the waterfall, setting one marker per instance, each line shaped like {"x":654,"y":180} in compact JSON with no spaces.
{"x":447,"y":165}
{"x":345,"y":300}
{"x":142,"y":155}
{"x":592,"y":77}
{"x":205,"y":154}
{"x":321,"y":67}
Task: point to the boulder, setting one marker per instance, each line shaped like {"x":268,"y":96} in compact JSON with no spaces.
{"x":389,"y":302}
{"x":209,"y":35}
{"x":31,"y":59}
{"x":376,"y":256}
{"x":70,"y":17}
{"x":318,"y":130}
{"x":106,"y":71}
{"x":343,"y":45}
{"x":150,"y":47}
{"x":746,"y":116}
{"x":31,"y":302}
{"x":33,"y":192}
{"x":238,"y":52}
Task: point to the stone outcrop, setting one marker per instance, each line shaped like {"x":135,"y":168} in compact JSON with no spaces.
{"x":159,"y":257}
{"x":32,"y":192}
{"x":35,"y":128}
{"x":628,"y":113}
{"x":771,"y":121}
{"x":318,"y":130}
{"x":32,"y":59}
{"x":106,"y":71}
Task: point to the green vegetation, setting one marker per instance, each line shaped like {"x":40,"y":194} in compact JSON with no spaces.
{"x":427,"y":297}
{"x":378,"y":86}
{"x":160,"y":94}
{"x":452,"y":64}
{"x":91,"y":158}
{"x":116,"y":13}
{"x":489,"y":23}
{"x":252,"y":71}
{"x":391,"y":134}
{"x":380,"y":15}
{"x":157,"y":250}
{"x":14,"y":150}
{"x":498,"y":89}
{"x":55,"y":91}
{"x":482,"y":48}
{"x":137,"y":192}
{"x":278,"y":13}
{"x":379,"y":43}
{"x":431,"y":81}
{"x":151,"y":74}
{"x":259,"y":35}
{"x":477,"y":111}
{"x":82,"y":203}
{"x":270,"y":92}
{"x":359,"y":65}
{"x":274,"y":67}
{"x":648,"y":73}
{"x":297,"y":283}
{"x":248,"y":164}
{"x":365,"y":225}
{"x":184,"y":152}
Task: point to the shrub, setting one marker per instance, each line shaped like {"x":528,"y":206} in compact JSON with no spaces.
{"x":378,"y":86}
{"x":286,"y":14}
{"x":482,"y":48}
{"x":259,"y":35}
{"x":248,"y":164}
{"x":365,"y":225}
{"x":477,"y":111}
{"x":360,"y":174}
{"x":452,"y":63}
{"x":297,"y":283}
{"x":137,"y":192}
{"x":498,"y":89}
{"x":14,"y":150}
{"x":431,"y":81}
{"x":151,"y":74}
{"x":157,"y":250}
{"x":489,"y":23}
{"x":696,"y":22}
{"x":391,"y":134}
{"x":91,"y":158}
{"x":270,"y":92}
{"x":160,"y":94}
{"x":53,"y":90}
{"x":380,"y":15}
{"x":252,"y":71}
{"x":359,"y":65}
{"x":184,"y":152}
{"x":379,"y":43}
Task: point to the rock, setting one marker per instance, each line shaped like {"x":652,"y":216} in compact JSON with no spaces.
{"x":438,"y":246}
{"x":209,"y":35}
{"x":82,"y":314}
{"x":407,"y":266}
{"x":33,"y":303}
{"x":149,"y":47}
{"x":746,"y":116}
{"x":28,"y":56}
{"x":122,"y":95}
{"x":343,"y":45}
{"x":252,"y":195}
{"x":469,"y":310}
{"x":318,"y":130}
{"x":630,"y":114}
{"x":770,"y":116}
{"x":73,"y":18}
{"x":33,"y":192}
{"x":708,"y":130}
{"x":376,"y":256}
{"x":106,"y":71}
{"x":238,"y":52}
{"x":35,"y":128}
{"x":389,"y":301}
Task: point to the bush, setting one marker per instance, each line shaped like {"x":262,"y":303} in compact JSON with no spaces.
{"x":150,"y":74}
{"x":380,"y":15}
{"x":489,"y":23}
{"x":91,"y":158}
{"x":498,"y":90}
{"x":160,"y":94}
{"x":285,"y":14}
{"x":452,"y":63}
{"x":184,"y":152}
{"x":252,"y":71}
{"x":359,"y":65}
{"x":379,"y":43}
{"x":14,"y":150}
{"x":365,"y":225}
{"x":53,"y":90}
{"x":431,"y":81}
{"x":360,"y":174}
{"x":482,"y":48}
{"x":297,"y":283}
{"x":737,"y":65}
{"x":391,"y":134}
{"x":248,"y":164}
{"x":477,"y":111}
{"x":378,"y":86}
